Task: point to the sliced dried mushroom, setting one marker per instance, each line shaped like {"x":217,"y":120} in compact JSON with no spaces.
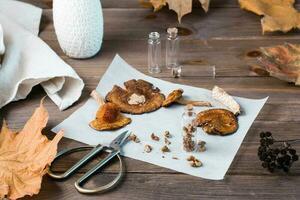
{"x":165,"y":149}
{"x":108,"y":116}
{"x":188,"y":143}
{"x":201,"y":146}
{"x":176,"y":97}
{"x":134,"y":138}
{"x":139,"y":97}
{"x":194,"y":162}
{"x":223,"y":97}
{"x":154,"y":137}
{"x":217,"y":121}
{"x":147,"y":148}
{"x":167,"y":142}
{"x":167,"y":134}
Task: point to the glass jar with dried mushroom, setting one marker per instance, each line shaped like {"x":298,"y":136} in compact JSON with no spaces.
{"x":189,"y":128}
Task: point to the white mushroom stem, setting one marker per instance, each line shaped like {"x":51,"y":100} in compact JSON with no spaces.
{"x":194,"y":103}
{"x":97,"y":97}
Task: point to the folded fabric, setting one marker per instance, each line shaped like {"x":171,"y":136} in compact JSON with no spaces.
{"x":25,"y":15}
{"x":2,"y":47}
{"x":28,"y":61}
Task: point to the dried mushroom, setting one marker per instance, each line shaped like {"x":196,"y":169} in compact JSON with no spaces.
{"x":139,"y":97}
{"x":134,"y":138}
{"x":217,"y":121}
{"x":176,"y":97}
{"x":167,"y":142}
{"x":154,"y":137}
{"x":165,"y":149}
{"x":108,"y":116}
{"x":194,"y":162}
{"x":167,"y":134}
{"x":222,"y":96}
{"x":201,"y":146}
{"x":147,"y":148}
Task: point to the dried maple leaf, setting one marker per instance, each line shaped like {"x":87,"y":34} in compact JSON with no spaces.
{"x":181,"y":7}
{"x":282,"y":62}
{"x":279,"y":15}
{"x":25,"y":156}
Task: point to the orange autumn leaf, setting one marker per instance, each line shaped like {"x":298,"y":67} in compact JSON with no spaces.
{"x":25,"y":156}
{"x":181,"y":7}
{"x":279,"y":15}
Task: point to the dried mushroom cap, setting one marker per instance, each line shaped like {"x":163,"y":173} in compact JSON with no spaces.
{"x":108,"y":117}
{"x":217,"y":121}
{"x":176,"y":97}
{"x":173,"y":97}
{"x":120,"y":97}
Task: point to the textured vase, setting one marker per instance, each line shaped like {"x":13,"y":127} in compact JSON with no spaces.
{"x":79,"y":26}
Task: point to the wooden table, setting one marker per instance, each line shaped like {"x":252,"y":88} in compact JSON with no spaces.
{"x":222,"y":37}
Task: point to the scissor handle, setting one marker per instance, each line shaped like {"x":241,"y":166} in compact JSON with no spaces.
{"x":104,"y":188}
{"x":80,"y":163}
{"x":84,"y":160}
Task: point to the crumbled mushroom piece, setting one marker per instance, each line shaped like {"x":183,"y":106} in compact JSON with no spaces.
{"x":136,"y":99}
{"x":167,"y":134}
{"x":188,"y":142}
{"x":134,"y":138}
{"x":148,"y":148}
{"x":167,"y":142}
{"x":165,"y":149}
{"x":194,"y":162}
{"x":201,"y":146}
{"x":154,"y":137}
{"x":175,"y":158}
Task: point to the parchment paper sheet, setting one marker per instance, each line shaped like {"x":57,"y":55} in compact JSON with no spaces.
{"x":220,"y":150}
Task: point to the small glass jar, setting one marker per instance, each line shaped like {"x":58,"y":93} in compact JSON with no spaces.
{"x":189,"y":129}
{"x":154,"y":53}
{"x":172,"y":48}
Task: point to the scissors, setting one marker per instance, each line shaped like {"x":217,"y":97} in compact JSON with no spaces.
{"x":113,"y":149}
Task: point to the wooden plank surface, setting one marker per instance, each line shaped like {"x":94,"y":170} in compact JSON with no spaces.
{"x":221,"y":38}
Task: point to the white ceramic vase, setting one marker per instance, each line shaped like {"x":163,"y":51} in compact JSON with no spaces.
{"x":79,"y":26}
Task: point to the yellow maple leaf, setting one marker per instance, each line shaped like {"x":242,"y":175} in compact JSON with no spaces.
{"x":279,"y":15}
{"x":25,"y":156}
{"x":181,"y":7}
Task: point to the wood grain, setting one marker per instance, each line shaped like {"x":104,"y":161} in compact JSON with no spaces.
{"x":221,"y":38}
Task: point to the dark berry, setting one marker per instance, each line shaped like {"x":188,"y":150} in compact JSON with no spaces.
{"x":295,"y":157}
{"x":270,"y":141}
{"x":262,"y":135}
{"x":292,"y":151}
{"x":283,"y":151}
{"x":268,"y":134}
{"x":276,"y":151}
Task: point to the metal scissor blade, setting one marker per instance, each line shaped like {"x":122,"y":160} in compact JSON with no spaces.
{"x":118,"y":141}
